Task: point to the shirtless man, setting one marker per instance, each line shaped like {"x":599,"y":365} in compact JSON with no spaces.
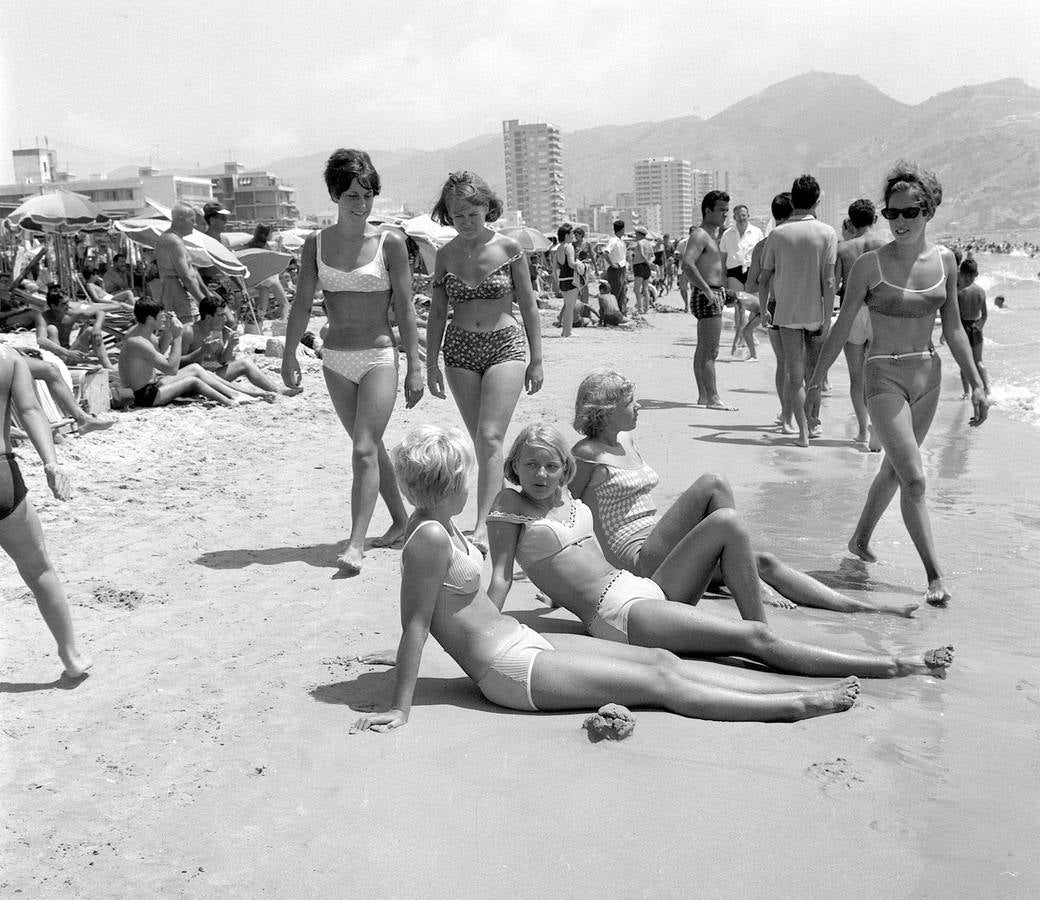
{"x":213,"y":346}
{"x":702,"y":265}
{"x":20,"y":534}
{"x":180,"y":286}
{"x":143,"y":354}
{"x":61,"y":319}
{"x":861,"y":238}
{"x":971,"y":299}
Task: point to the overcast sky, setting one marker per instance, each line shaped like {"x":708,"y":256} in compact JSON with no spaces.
{"x":113,"y":82}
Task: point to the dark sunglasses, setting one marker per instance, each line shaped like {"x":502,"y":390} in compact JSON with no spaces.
{"x":910,"y":212}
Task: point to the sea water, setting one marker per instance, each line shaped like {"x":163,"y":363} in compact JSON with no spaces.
{"x":1011,"y":349}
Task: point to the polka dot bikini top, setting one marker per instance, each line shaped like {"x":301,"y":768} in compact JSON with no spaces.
{"x":493,"y":286}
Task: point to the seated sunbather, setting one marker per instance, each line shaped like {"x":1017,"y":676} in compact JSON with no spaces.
{"x":214,"y":344}
{"x":96,"y":291}
{"x":61,"y":319}
{"x":154,"y":345}
{"x":60,"y":392}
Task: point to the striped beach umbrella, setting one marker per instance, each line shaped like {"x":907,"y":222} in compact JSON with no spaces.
{"x":59,"y":212}
{"x":203,"y":250}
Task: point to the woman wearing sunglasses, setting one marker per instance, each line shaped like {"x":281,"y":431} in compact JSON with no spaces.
{"x":903,"y":284}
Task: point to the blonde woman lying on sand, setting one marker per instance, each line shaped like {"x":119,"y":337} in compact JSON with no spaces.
{"x":903,"y":284}
{"x":550,"y":534}
{"x":702,"y":526}
{"x":520,"y":669}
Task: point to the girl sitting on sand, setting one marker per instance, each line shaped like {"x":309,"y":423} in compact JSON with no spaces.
{"x":481,"y":273}
{"x":550,"y":534}
{"x":700,"y":526}
{"x":520,"y":669}
{"x":362,"y":270}
{"x":903,"y":285}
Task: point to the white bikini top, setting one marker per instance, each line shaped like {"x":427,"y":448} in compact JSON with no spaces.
{"x":369,"y":278}
{"x":464,"y":569}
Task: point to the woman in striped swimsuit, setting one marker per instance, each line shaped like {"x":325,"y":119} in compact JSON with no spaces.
{"x":700,"y":528}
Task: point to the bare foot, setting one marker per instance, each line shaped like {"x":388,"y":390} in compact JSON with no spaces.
{"x":861,"y":438}
{"x":937,"y":595}
{"x":379,"y":658}
{"x":861,"y":548}
{"x":906,"y":610}
{"x":772,"y":598}
{"x":350,"y":561}
{"x":290,"y":391}
{"x":242,"y":399}
{"x":719,"y":406}
{"x":479,"y":539}
{"x":873,"y":442}
{"x":94,"y":423}
{"x":816,"y":431}
{"x":393,"y":537}
{"x":787,"y":428}
{"x":76,"y":666}
{"x":934,"y":662}
{"x":820,"y":703}
{"x":802,"y":440}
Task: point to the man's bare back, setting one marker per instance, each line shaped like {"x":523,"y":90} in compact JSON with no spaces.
{"x":851,"y":250}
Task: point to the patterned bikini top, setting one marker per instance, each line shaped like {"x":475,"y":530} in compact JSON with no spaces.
{"x":624,"y":503}
{"x":903,"y":302}
{"x":542,"y":537}
{"x":464,"y":569}
{"x":493,"y":286}
{"x":370,"y":277}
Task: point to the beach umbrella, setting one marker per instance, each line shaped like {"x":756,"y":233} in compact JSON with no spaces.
{"x":203,"y":250}
{"x":262,"y":263}
{"x":290,"y":240}
{"x":236,"y":240}
{"x":59,"y":212}
{"x":530,"y":239}
{"x":424,"y":227}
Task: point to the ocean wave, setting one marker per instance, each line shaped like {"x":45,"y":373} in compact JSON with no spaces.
{"x":1020,"y":401}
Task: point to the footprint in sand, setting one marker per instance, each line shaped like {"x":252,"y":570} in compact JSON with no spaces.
{"x":1029,"y":689}
{"x":836,"y":775}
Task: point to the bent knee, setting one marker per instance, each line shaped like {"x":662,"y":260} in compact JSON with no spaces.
{"x":715,"y":483}
{"x":729,"y":519}
{"x":768,"y":563}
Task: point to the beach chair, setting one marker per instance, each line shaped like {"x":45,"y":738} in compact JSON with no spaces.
{"x":60,"y":423}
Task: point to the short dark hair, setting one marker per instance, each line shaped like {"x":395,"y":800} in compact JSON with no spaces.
{"x":347,"y":166}
{"x":781,"y":207}
{"x":805,"y":191}
{"x":862,"y":213}
{"x":470,"y":187}
{"x":711,"y":199}
{"x":209,"y":307}
{"x":619,"y":226}
{"x":742,"y":206}
{"x":54,"y":293}
{"x":118,"y":256}
{"x":969,"y":268}
{"x":562,"y":232}
{"x":146,"y":307}
{"x":580,"y":231}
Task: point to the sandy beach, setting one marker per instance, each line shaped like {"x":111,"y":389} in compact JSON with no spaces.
{"x":208,"y":755}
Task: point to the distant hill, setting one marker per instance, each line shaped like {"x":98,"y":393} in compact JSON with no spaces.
{"x":982,"y":140}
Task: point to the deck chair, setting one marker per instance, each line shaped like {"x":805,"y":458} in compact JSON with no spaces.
{"x":60,"y":423}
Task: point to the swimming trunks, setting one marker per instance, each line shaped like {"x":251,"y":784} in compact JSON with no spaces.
{"x":737,"y":272}
{"x":12,"y":487}
{"x":176,"y":299}
{"x":911,"y":376}
{"x":973,"y":329}
{"x":708,"y":306}
{"x":371,"y":277}
{"x":902,"y":302}
{"x":478,"y":351}
{"x":354,"y":365}
{"x":144,"y":396}
{"x":641,"y":270}
{"x":622,"y":591}
{"x":493,"y":286}
{"x":507,"y":681}
{"x":566,"y":274}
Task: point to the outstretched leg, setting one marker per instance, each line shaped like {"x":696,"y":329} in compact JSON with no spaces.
{"x":585,"y":673}
{"x":22,"y":539}
{"x":685,"y":629}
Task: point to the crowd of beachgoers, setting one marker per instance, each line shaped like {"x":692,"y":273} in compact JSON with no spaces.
{"x":578,"y":519}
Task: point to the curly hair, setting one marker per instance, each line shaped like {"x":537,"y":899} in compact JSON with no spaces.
{"x":432,"y":463}
{"x":599,"y":394}
{"x":539,"y":436}
{"x":908,"y":176}
{"x":471,"y":188}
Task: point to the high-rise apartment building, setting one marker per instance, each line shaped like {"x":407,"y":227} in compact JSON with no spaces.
{"x":534,"y":173}
{"x":37,"y":165}
{"x":839,"y":186}
{"x":666,"y":181}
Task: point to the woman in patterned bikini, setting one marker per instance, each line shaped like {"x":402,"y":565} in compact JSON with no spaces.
{"x":551,"y":536}
{"x":480,"y":273}
{"x":702,"y":525}
{"x":362,"y":270}
{"x":903,"y":285}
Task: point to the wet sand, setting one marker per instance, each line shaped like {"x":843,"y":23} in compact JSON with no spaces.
{"x":207,"y":753}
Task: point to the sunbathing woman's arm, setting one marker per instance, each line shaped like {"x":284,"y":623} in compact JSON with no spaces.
{"x":424,"y":566}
